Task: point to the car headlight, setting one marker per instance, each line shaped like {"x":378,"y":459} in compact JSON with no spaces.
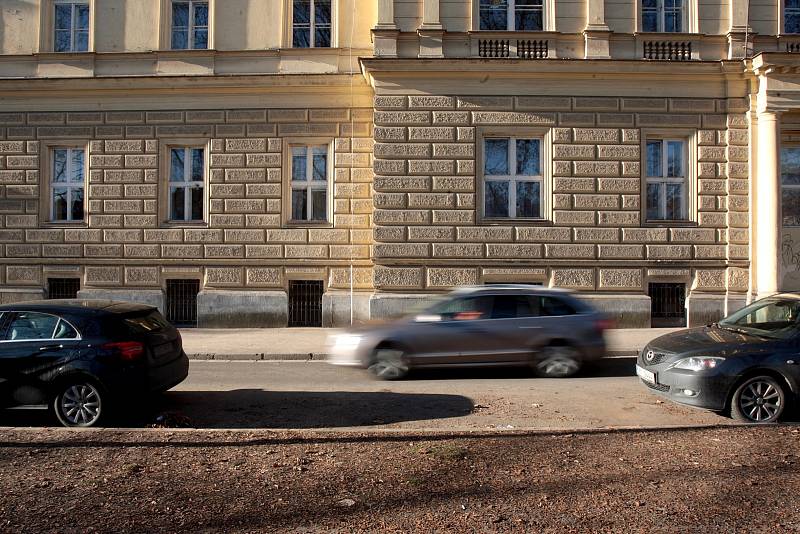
{"x":697,"y":363}
{"x":347,"y":341}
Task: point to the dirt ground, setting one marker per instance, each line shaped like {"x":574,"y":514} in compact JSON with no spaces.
{"x":732,"y":479}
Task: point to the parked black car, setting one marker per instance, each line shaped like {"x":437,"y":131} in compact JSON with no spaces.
{"x":83,"y":358}
{"x":747,"y":363}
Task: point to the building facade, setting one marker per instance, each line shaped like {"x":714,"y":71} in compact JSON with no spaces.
{"x":273,"y":162}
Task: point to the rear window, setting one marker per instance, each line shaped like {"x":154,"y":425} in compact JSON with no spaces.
{"x":147,"y":324}
{"x":552,"y":306}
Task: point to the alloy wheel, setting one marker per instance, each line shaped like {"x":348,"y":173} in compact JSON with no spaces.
{"x":389,"y":365}
{"x":761,"y":401}
{"x":79,"y":404}
{"x":558,"y":362}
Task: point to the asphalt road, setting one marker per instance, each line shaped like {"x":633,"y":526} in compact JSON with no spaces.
{"x":303,"y":395}
{"x":315,"y":395}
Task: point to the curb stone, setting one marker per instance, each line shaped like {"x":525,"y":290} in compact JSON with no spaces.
{"x":320,"y":356}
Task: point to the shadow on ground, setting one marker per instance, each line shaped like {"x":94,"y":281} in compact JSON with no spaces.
{"x":605,"y":368}
{"x":255,"y":408}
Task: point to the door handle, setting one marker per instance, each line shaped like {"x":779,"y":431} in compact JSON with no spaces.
{"x":47,"y":348}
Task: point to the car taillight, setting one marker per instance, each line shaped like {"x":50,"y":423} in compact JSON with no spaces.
{"x":603,"y":324}
{"x":126,"y":350}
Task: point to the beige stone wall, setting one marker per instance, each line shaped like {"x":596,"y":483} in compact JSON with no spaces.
{"x":428,"y":230}
{"x":125,"y":243}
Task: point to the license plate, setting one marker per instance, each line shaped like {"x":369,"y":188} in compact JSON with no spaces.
{"x":646,"y":375}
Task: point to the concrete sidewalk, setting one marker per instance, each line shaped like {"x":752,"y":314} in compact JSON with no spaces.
{"x":310,"y":343}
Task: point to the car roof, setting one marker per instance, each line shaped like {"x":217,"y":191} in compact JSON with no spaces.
{"x":785,"y":295}
{"x":513,"y":287}
{"x":77,"y":306}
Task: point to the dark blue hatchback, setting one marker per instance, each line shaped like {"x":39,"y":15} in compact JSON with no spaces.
{"x":84,"y":358}
{"x":748,"y":363}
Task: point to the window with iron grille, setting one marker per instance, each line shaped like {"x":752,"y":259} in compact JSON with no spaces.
{"x":63,"y":288}
{"x":305,"y":303}
{"x":667,"y":305}
{"x":181,"y":302}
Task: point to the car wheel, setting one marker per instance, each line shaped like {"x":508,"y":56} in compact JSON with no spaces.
{"x":760,"y":399}
{"x":79,"y":403}
{"x":389,"y":364}
{"x":557,"y":361}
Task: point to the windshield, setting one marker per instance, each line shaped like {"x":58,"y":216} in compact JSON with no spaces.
{"x":776,"y":318}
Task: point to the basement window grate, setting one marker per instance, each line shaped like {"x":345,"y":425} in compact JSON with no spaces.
{"x":305,"y":303}
{"x":63,"y":288}
{"x":182,"y":302}
{"x":667,"y":305}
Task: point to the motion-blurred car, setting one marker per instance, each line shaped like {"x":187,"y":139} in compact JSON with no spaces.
{"x":499,"y":325}
{"x":748,"y":363}
{"x":83,"y":358}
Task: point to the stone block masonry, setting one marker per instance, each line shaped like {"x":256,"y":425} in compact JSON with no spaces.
{"x":246,"y":242}
{"x":431,"y":234}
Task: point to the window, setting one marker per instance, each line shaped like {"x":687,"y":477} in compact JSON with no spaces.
{"x":512,"y":176}
{"x":521,"y":15}
{"x":553,"y":307}
{"x":67,"y":184}
{"x":63,"y":288}
{"x":790,"y":185}
{"x":30,"y":325}
{"x":305,"y":303}
{"x":186,"y":184}
{"x":189,"y":25}
{"x":791,"y":16}
{"x":512,"y":306}
{"x":70,"y":26}
{"x":663,"y":16}
{"x":667,"y":304}
{"x":181,"y":302}
{"x":309,"y":172}
{"x":311,"y":23}
{"x":667,"y":179}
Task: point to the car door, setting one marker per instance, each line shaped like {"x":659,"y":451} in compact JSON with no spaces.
{"x":452,"y":331}
{"x":34,"y":344}
{"x":503,"y":337}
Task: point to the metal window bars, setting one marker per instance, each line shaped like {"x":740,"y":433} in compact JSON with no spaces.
{"x":305,"y":303}
{"x":63,"y":288}
{"x":667,"y":304}
{"x":181,"y":302}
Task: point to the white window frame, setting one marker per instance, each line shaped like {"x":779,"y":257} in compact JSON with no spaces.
{"x":510,"y":16}
{"x":70,"y":184}
{"x":661,"y":12}
{"x":192,"y":27}
{"x":514,"y":178}
{"x":548,"y":17}
{"x":307,"y":184}
{"x":664,"y":179}
{"x":782,"y":17}
{"x":193,"y":184}
{"x":312,"y":25}
{"x":73,"y":29}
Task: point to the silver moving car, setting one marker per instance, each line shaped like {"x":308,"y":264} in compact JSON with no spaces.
{"x":549,"y":330}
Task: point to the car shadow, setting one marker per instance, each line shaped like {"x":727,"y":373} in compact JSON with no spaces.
{"x":604,"y":368}
{"x":256,"y":408}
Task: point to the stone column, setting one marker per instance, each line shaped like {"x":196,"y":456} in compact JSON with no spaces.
{"x":767,"y":188}
{"x":740,"y":31}
{"x":385,"y":33}
{"x":431,"y":32}
{"x":597,"y":32}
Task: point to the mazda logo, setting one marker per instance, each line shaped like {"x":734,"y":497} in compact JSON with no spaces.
{"x":650,"y":356}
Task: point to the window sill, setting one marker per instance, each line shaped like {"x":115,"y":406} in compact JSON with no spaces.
{"x":308,"y":224}
{"x":514,"y":222}
{"x":669,"y":224}
{"x":64,"y":224}
{"x":184,"y":224}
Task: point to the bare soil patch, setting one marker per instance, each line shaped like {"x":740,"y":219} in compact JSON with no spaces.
{"x":741,"y":479}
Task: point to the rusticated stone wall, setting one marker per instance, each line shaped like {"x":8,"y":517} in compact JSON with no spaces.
{"x":124,"y":243}
{"x":428,"y":230}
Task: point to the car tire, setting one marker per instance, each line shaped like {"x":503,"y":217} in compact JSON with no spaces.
{"x":557,"y":361}
{"x":389,"y":364}
{"x":760,"y":399}
{"x":79,"y":402}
